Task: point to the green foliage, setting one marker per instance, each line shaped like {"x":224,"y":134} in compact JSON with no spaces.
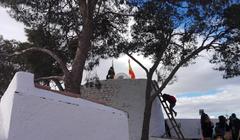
{"x":228,"y":55}
{"x":170,"y":31}
{"x":40,"y":63}
{"x":154,"y":25}
{"x":56,"y":25}
{"x":232,"y":17}
{"x":8,"y":66}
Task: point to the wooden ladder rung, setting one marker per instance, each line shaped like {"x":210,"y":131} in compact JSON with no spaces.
{"x":169,"y":113}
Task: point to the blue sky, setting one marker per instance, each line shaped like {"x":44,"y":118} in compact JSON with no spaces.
{"x":197,"y":87}
{"x":199,"y":93}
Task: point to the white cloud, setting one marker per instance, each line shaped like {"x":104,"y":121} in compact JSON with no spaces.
{"x":222,"y":103}
{"x":10,"y":28}
{"x":199,"y":77}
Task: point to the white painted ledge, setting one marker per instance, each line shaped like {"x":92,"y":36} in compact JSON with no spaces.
{"x":29,"y":113}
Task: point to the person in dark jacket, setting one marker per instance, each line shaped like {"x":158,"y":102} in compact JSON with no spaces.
{"x":234,"y":124}
{"x":206,"y":126}
{"x":172,"y":102}
{"x":111,"y":73}
{"x":221,"y":127}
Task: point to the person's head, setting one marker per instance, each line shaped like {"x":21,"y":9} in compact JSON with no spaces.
{"x":201,"y":112}
{"x":233,"y":115}
{"x":164,"y":95}
{"x":222,"y":119}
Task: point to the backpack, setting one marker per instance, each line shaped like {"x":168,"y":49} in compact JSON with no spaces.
{"x":219,"y":130}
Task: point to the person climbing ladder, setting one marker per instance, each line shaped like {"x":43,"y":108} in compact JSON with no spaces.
{"x":172,"y":102}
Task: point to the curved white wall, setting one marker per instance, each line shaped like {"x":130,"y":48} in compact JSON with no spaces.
{"x":29,"y":113}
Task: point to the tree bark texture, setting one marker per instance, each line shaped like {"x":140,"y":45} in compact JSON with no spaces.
{"x":73,"y":80}
{"x":146,"y":121}
{"x":147,"y":109}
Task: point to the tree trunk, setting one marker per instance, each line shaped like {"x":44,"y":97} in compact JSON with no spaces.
{"x":146,"y":121}
{"x":71,"y":85}
{"x":73,"y":80}
{"x":147,"y":109}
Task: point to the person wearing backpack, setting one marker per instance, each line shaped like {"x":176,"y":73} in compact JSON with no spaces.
{"x":222,"y":128}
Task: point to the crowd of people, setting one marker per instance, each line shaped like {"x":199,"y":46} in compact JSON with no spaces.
{"x":224,"y":129}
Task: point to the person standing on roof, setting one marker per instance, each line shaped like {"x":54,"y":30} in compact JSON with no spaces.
{"x":111,"y":73}
{"x":172,"y":102}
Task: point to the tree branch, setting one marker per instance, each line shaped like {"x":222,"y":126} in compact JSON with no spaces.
{"x":55,"y":79}
{"x":98,"y":10}
{"x":159,"y":56}
{"x":180,"y":34}
{"x":50,"y":53}
{"x":194,"y":53}
{"x":59,"y":78}
{"x":58,"y":84}
{"x":208,"y":36}
{"x":140,"y":64}
{"x":119,"y":14}
{"x":174,"y":71}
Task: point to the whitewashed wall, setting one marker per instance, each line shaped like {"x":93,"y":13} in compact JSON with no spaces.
{"x":28,"y":113}
{"x":191,"y":128}
{"x":129,"y":95}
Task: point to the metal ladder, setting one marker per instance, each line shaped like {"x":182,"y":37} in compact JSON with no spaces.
{"x":171,"y":118}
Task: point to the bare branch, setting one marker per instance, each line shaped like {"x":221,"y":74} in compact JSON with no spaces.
{"x":98,"y":10}
{"x":55,"y":79}
{"x":176,"y":44}
{"x":159,"y":56}
{"x":155,"y":65}
{"x":183,"y":61}
{"x":175,"y":70}
{"x":134,"y":59}
{"x":119,"y":14}
{"x":208,"y":36}
{"x":58,"y":84}
{"x":50,"y":53}
{"x":59,"y":78}
{"x":180,"y":34}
